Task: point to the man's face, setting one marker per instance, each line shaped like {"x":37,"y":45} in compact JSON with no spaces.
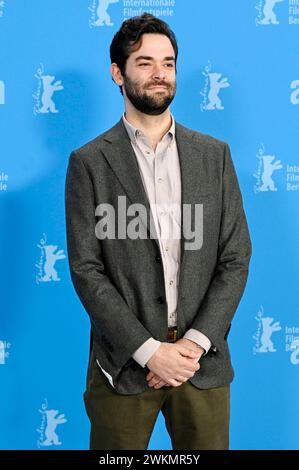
{"x":153,"y":64}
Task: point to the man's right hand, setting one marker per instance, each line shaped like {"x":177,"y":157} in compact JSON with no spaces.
{"x":174,"y":363}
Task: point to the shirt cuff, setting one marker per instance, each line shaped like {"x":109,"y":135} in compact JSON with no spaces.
{"x":199,"y":338}
{"x":146,"y":351}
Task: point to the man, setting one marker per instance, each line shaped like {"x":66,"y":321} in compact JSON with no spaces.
{"x":160,"y":305}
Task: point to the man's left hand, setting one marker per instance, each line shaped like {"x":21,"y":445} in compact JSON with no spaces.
{"x":156,"y":381}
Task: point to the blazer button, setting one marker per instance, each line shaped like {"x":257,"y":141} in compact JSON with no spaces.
{"x":160,"y":300}
{"x":158,"y":258}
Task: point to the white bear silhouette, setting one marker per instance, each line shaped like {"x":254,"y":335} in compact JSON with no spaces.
{"x":269,"y":15}
{"x":48,"y":90}
{"x":51,"y":258}
{"x":52,"y":423}
{"x":268,"y":329}
{"x":215,"y":86}
{"x":103,"y":16}
{"x":269,"y":167}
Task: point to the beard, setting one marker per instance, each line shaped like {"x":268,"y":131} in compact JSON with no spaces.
{"x":151,"y":102}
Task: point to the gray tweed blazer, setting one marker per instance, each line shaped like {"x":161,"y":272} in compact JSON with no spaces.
{"x":120,"y":282}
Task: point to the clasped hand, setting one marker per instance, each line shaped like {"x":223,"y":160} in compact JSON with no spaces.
{"x":173,"y":363}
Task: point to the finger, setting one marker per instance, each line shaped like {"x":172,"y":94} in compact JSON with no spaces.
{"x":164,"y":384}
{"x":181,"y":378}
{"x":191,"y":365}
{"x":160,"y":384}
{"x":150,"y":375}
{"x":154,"y":381}
{"x":174,"y":383}
{"x":191,"y":370}
{"x":195,"y":359}
{"x":187,"y":352}
{"x":187,"y":374}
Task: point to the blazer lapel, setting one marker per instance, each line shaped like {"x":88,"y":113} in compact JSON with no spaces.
{"x":122,"y":159}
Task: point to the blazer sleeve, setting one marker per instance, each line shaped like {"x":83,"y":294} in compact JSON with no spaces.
{"x":234,"y":252}
{"x":115,"y":326}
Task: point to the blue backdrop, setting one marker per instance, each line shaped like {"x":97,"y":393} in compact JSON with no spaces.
{"x":238,"y":80}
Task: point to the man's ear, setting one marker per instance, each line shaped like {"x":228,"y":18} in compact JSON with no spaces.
{"x":116,"y":74}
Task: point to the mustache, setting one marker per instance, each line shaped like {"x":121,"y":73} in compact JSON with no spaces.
{"x":159,"y":84}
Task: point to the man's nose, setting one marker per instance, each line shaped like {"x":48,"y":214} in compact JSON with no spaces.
{"x":159,"y":72}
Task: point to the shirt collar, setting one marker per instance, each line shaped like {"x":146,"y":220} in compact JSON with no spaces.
{"x":135,"y":132}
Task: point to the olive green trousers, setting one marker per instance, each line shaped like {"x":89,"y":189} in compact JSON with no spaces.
{"x":195,"y":418}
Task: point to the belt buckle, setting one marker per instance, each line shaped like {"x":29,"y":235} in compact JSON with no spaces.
{"x":172,"y":334}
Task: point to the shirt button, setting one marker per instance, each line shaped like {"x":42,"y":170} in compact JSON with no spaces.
{"x":170,"y":283}
{"x":160,"y":180}
{"x":166,"y":248}
{"x":148,"y":152}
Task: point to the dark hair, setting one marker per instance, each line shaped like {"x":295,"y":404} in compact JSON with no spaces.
{"x":129,"y":36}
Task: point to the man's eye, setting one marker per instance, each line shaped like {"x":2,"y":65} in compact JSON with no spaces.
{"x":167,"y":65}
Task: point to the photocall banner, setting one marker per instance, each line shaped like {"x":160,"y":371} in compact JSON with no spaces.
{"x":237,"y":80}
